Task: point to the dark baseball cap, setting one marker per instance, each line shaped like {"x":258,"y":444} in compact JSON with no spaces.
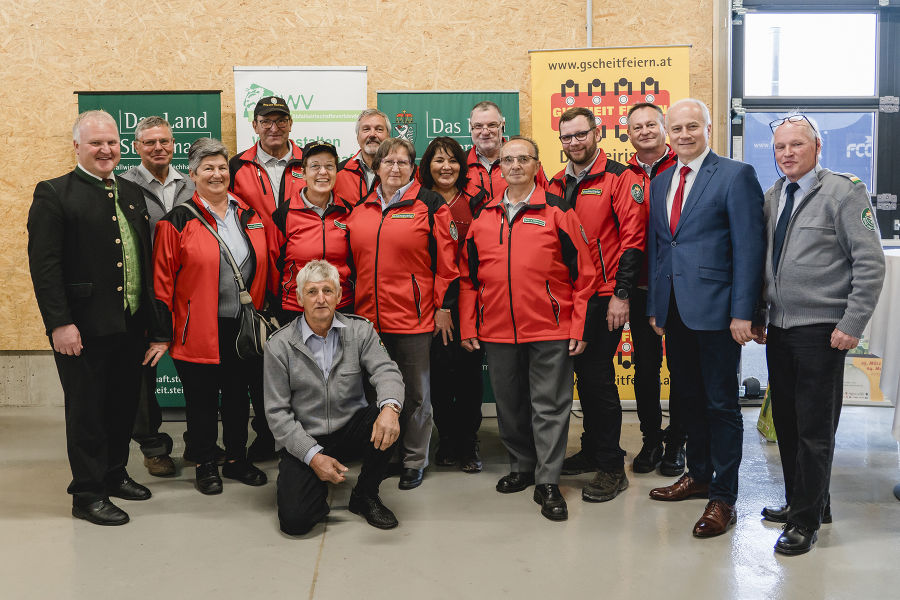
{"x":270,"y":104}
{"x":318,"y":147}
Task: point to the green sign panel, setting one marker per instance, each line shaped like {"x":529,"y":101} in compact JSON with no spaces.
{"x":192,"y":115}
{"x":422,"y":116}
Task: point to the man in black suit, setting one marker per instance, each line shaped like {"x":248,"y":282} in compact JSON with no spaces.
{"x":89,"y":254}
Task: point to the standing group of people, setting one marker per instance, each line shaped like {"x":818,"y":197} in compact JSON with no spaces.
{"x":470,"y":254}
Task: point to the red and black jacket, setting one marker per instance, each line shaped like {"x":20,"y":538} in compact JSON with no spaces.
{"x":404,"y":260}
{"x":611,"y":204}
{"x":186,"y":260}
{"x":491,"y":182}
{"x":351,"y":181}
{"x":301,"y":235}
{"x":250,"y":182}
{"x":669,"y":160}
{"x":529,"y":279}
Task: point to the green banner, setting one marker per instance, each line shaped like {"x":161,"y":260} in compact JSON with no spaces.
{"x":422,"y":116}
{"x":191,"y":114}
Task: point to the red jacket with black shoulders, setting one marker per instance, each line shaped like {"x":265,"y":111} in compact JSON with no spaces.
{"x":351,"y":181}
{"x":491,"y":182}
{"x":668,"y":160}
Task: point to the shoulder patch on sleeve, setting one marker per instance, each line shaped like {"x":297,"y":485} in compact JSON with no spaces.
{"x":853,"y":178}
{"x":637,"y":193}
{"x":868,"y":219}
{"x":353,"y":316}
{"x":454,"y":232}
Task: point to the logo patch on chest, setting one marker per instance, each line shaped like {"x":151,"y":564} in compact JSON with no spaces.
{"x":592,"y":192}
{"x":340,"y":225}
{"x":254,"y":225}
{"x":637,"y":193}
{"x":534,"y":221}
{"x":403,"y":216}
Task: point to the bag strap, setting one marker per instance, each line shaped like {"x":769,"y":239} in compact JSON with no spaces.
{"x":244,"y":294}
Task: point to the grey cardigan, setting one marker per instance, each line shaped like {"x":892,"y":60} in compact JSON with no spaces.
{"x":832,"y":263}
{"x":300,"y":404}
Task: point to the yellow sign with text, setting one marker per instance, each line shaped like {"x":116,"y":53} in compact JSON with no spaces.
{"x":608,"y":81}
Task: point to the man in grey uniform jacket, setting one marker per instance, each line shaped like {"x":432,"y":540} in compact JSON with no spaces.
{"x":164,"y":187}
{"x":313,"y":388}
{"x":824,"y":271}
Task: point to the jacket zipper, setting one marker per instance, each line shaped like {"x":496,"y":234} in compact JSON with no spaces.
{"x":417,"y":296}
{"x":186,"y":321}
{"x":377,"y":247}
{"x":602,"y":263}
{"x":512,"y":313}
{"x":554,"y":305}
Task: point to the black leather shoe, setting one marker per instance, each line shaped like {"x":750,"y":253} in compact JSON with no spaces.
{"x":411,"y":478}
{"x":672,"y":463}
{"x":128,"y":489}
{"x":245,"y":472}
{"x":779,"y":514}
{"x":553,"y":505}
{"x":515,"y":482}
{"x":101,"y":512}
{"x":208,"y":480}
{"x":649,"y":457}
{"x":795,"y":540}
{"x":370,"y":507}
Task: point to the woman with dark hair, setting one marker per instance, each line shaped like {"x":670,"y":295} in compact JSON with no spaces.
{"x":456,"y":379}
{"x":196,"y":290}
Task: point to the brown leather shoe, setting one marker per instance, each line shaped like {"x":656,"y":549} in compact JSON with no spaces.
{"x":716,"y":519}
{"x":160,"y":466}
{"x":686,"y":487}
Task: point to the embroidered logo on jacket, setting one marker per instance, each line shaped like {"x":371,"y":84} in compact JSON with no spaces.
{"x":592,"y":192}
{"x":534,"y":221}
{"x":637,"y":193}
{"x":403,"y":216}
{"x":340,"y":225}
{"x":868,"y":220}
{"x":254,"y":225}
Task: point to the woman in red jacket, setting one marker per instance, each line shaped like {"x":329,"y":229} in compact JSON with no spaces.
{"x":403,"y":244}
{"x":309,"y":226}
{"x":195,"y":286}
{"x":456,"y":378}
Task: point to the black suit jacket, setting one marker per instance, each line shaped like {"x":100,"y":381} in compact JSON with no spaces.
{"x":75,"y":254}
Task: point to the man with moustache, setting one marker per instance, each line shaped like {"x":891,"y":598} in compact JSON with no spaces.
{"x":609,"y":203}
{"x":89,"y":254}
{"x":824,"y":272}
{"x":487,"y":124}
{"x":355,"y":178}
{"x":647,"y":134}
{"x":263,"y":176}
{"x":705,"y":251}
{"x":164,"y":187}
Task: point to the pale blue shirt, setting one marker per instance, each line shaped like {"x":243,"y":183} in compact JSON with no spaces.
{"x":323,"y":350}
{"x":273,"y":166}
{"x":393,"y":199}
{"x":806,"y":183}
{"x":165,"y":191}
{"x":513,"y":209}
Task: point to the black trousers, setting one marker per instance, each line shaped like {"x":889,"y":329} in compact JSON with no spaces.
{"x":704,"y":367}
{"x":234,"y":379}
{"x":599,"y":396}
{"x":806,"y":376}
{"x":148,"y":419}
{"x":303,"y":497}
{"x":101,"y":391}
{"x":647,"y":355}
{"x":456,"y":390}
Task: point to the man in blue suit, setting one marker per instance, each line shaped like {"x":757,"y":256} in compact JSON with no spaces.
{"x":705,"y":251}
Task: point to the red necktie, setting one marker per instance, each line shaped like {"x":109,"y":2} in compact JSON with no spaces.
{"x":679,"y":199}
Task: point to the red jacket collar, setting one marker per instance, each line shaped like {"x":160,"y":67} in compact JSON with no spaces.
{"x":669,"y":155}
{"x":249,"y":155}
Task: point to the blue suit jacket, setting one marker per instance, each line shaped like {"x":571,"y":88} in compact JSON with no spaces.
{"x":714,"y":261}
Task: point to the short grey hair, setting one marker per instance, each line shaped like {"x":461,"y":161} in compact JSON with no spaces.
{"x":204,"y":148}
{"x":388,"y":146}
{"x":149,"y":123}
{"x":707,"y":121}
{"x":91,"y":115}
{"x":522,"y":138}
{"x":317,"y":270}
{"x":370,"y":112}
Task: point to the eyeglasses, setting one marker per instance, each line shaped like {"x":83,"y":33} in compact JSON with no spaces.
{"x":400,"y":164}
{"x":321,"y":167}
{"x":580,"y":136}
{"x":477,"y":127}
{"x":792,"y":119}
{"x":522,"y":160}
{"x":281,"y":123}
{"x":164,"y":142}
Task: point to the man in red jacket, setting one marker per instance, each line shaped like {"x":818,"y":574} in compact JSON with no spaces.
{"x":609,"y":202}
{"x":356,"y":178}
{"x":647,"y":133}
{"x":526,"y":278}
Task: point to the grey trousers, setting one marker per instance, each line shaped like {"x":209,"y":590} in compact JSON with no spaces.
{"x":412,"y":354}
{"x":533,"y":385}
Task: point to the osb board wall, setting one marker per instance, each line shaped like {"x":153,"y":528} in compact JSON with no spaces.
{"x":51,"y":49}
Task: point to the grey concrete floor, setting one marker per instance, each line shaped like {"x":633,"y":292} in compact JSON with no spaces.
{"x":457,"y":538}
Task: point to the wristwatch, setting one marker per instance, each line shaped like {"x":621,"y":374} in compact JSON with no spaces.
{"x":622,"y":294}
